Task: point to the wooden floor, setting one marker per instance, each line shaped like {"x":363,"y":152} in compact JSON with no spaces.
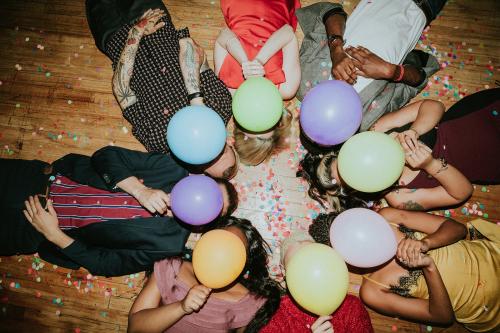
{"x":55,"y":98}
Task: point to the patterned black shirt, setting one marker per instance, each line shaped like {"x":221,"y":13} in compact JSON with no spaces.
{"x":158,"y":84}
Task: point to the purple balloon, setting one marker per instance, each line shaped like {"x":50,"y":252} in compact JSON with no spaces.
{"x":196,"y":200}
{"x":331,"y":112}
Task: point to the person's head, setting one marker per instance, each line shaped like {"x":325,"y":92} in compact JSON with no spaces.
{"x":229,"y":195}
{"x":325,"y":184}
{"x":225,"y":165}
{"x":292,"y":244}
{"x":255,"y":276}
{"x":255,"y":148}
{"x":320,"y":228}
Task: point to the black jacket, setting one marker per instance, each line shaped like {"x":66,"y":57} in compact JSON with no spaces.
{"x":119,"y":247}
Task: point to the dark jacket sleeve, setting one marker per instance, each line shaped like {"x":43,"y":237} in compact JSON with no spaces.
{"x":115,"y":164}
{"x":79,"y":169}
{"x":119,"y":247}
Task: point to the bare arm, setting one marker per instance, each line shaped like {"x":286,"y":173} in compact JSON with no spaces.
{"x":125,"y":67}
{"x":440,"y":231}
{"x":454,"y":189}
{"x":228,"y":40}
{"x":276,"y":42}
{"x":191,"y":58}
{"x":424,"y":116}
{"x":148,"y":316}
{"x":435,"y":310}
{"x":370,"y":65}
{"x":343,"y":67}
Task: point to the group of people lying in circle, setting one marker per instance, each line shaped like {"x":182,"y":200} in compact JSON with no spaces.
{"x":109,"y":212}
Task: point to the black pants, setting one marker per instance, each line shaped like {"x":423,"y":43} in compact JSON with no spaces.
{"x":18,"y":180}
{"x":105,"y":17}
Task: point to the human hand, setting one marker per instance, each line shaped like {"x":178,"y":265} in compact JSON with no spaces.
{"x":369,"y":64}
{"x":195,"y":299}
{"x":148,"y":22}
{"x":153,"y":200}
{"x":44,"y":221}
{"x":418,"y":158}
{"x":343,"y":67}
{"x":322,"y":325}
{"x":410,"y":249}
{"x":421,"y":260}
{"x":252,"y":69}
{"x":409,"y":138}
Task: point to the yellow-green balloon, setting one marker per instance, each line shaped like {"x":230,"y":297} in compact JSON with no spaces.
{"x":371,"y":161}
{"x":257,"y":105}
{"x":317,"y":278}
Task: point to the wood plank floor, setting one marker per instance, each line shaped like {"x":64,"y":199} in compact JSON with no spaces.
{"x":55,"y":98}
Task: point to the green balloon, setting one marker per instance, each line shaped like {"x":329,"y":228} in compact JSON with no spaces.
{"x":371,"y":161}
{"x":257,"y":105}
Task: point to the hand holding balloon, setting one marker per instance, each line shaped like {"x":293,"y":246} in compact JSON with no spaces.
{"x":195,"y":299}
{"x":420,"y":157}
{"x":322,"y":325}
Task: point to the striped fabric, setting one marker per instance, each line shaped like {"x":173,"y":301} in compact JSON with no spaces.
{"x":79,"y":205}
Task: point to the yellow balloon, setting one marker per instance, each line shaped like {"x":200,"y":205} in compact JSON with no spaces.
{"x":371,"y":161}
{"x":218,"y":258}
{"x":317,"y":279}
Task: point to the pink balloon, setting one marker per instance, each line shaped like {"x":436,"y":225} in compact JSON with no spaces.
{"x":363,"y":237}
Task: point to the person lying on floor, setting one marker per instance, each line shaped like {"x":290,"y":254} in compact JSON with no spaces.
{"x":350,"y":317}
{"x":437,"y":276}
{"x":372,"y":50}
{"x":465,"y":143}
{"x":158,"y":70}
{"x":173,"y":299}
{"x":259,"y":40}
{"x":107,"y":213}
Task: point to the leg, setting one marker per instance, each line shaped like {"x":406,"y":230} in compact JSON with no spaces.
{"x":18,"y":180}
{"x":291,"y":67}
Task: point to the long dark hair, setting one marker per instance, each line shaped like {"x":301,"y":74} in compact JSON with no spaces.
{"x":316,"y":170}
{"x":255,"y":276}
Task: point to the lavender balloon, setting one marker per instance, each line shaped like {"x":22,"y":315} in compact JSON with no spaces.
{"x":363,"y":237}
{"x":196,"y":200}
{"x":331,"y":113}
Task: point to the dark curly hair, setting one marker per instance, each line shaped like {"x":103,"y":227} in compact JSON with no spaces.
{"x":255,"y":276}
{"x":316,"y":170}
{"x":231,"y":193}
{"x":320,"y":228}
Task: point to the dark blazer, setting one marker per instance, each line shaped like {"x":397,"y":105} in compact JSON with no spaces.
{"x":119,"y":247}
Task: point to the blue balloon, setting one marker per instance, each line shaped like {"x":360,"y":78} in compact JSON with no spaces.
{"x":196,"y":134}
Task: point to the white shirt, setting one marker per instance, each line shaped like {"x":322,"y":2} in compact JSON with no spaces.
{"x":388,"y":28}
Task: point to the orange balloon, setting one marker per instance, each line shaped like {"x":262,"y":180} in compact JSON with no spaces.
{"x":218,"y":258}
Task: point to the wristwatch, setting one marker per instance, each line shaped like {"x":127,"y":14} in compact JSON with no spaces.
{"x":336,"y":40}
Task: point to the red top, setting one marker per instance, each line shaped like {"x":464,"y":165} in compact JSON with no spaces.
{"x":254,"y":21}
{"x":471,"y":143}
{"x":350,"y":317}
{"x":79,"y":205}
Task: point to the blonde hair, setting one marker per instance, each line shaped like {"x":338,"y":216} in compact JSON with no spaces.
{"x":255,"y":150}
{"x":232,"y":171}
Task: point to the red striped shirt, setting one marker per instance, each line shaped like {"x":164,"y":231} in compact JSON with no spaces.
{"x":79,"y":205}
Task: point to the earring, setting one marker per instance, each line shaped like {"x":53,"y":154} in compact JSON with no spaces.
{"x":246,"y":275}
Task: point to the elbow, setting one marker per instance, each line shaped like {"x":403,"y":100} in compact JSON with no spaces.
{"x":445,"y":319}
{"x":464,"y":193}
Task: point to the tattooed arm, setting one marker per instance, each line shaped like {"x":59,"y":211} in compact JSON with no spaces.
{"x":454,"y":187}
{"x":192,"y":61}
{"x":123,"y":72}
